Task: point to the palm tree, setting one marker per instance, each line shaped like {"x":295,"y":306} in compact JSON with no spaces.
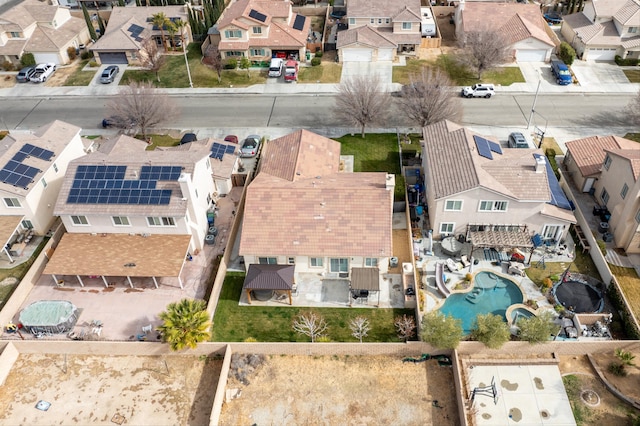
{"x":185,"y":324}
{"x":160,"y":20}
{"x":181,"y":25}
{"x":172,"y":30}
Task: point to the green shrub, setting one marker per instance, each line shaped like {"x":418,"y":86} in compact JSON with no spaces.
{"x":319,"y":53}
{"x":567,"y":53}
{"x":231,"y":64}
{"x":8,"y":66}
{"x":550,"y":152}
{"x":93,"y":64}
{"x":27,"y":59}
{"x":547,"y":283}
{"x":315,"y":61}
{"x":617,"y":369}
{"x":85,"y":55}
{"x":632,"y":62}
{"x":71,"y":51}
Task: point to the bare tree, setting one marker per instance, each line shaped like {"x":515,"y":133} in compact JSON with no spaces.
{"x":140,"y":105}
{"x":362,"y":101}
{"x":634,"y":109}
{"x":359,"y":327}
{"x":151,"y":57}
{"x":405,"y":326}
{"x":429,"y":98}
{"x":484,"y":49}
{"x":213,"y":59}
{"x":310,"y":324}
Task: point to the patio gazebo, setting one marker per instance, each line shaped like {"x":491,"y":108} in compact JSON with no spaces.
{"x":269,"y":277}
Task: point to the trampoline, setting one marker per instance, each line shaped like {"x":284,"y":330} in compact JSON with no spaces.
{"x":49,"y":316}
{"x":578,"y":296}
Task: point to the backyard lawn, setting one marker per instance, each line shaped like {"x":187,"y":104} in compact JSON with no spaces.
{"x":630,"y":285}
{"x":18,"y":272}
{"x":633,"y":137}
{"x":234,"y":323}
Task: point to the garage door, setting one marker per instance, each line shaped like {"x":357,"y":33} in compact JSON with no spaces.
{"x":524,"y":55}
{"x":45,"y":58}
{"x":601,"y":54}
{"x":385,"y":54}
{"x":113,"y":58}
{"x":356,"y":55}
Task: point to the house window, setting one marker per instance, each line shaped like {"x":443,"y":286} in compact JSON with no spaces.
{"x":291,"y":260}
{"x":624,"y":191}
{"x":632,"y":30}
{"x":379,"y":20}
{"x":55,"y":167}
{"x":267,"y":260}
{"x":453,"y":205}
{"x":232,"y":34}
{"x":79,"y":220}
{"x":120,"y":220}
{"x":44,"y":182}
{"x":373,"y":20}
{"x":15,"y":34}
{"x":339,"y":265}
{"x":607,"y":162}
{"x":161,"y":221}
{"x":406,"y":25}
{"x":352,"y":21}
{"x":371,"y":261}
{"x":387,"y":21}
{"x":26,"y":224}
{"x":493,"y":206}
{"x":257,"y":52}
{"x":605,"y":196}
{"x":447,"y":228}
{"x":12,"y":202}
{"x":257,"y":30}
{"x":550,"y":231}
{"x":316,"y":262}
{"x":232,"y":54}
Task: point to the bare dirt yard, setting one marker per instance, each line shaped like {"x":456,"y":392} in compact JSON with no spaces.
{"x":345,"y":390}
{"x":99,"y":390}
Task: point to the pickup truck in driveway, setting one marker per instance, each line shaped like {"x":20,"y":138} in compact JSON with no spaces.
{"x":43,"y":72}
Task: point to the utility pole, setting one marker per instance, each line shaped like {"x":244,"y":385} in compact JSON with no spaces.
{"x":186,"y":61}
{"x":535,"y":99}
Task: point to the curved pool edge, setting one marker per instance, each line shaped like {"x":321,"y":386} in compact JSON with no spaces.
{"x":515,"y":306}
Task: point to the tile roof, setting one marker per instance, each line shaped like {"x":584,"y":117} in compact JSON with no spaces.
{"x":8,"y":225}
{"x":364,"y":36}
{"x":558,"y":213}
{"x":453,"y":165}
{"x":27,"y":13}
{"x":13,"y":47}
{"x":54,"y":137}
{"x":330,"y":214}
{"x":47,"y":39}
{"x":399,"y":38}
{"x":478,"y":16}
{"x":220,"y":168}
{"x":407,"y":15}
{"x":380,"y":8}
{"x":242,"y":8}
{"x":629,"y":14}
{"x":607,"y":8}
{"x":589,"y":153}
{"x":602,"y":33}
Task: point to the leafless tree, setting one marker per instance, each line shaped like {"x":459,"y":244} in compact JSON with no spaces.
{"x":634,"y":109}
{"x":213,"y":59}
{"x":310,"y":324}
{"x":405,"y":326}
{"x":359,"y":327}
{"x":484,"y":49}
{"x":429,"y":98}
{"x":140,"y":105}
{"x":362,"y":101}
{"x":151,"y":57}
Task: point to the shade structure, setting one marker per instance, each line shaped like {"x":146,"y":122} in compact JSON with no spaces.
{"x":50,"y":316}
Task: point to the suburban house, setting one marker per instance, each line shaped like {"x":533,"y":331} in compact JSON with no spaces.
{"x":224,"y":160}
{"x":44,"y":30}
{"x":123,"y":189}
{"x":476,"y":186}
{"x":523,"y":27}
{"x":260,"y":30}
{"x":129,"y":28}
{"x":379,"y":30}
{"x":604,"y":29}
{"x":304,"y":210}
{"x":33,"y":168}
{"x":608,"y":167}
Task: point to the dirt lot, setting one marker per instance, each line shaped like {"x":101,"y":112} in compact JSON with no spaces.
{"x":346,"y":390}
{"x":130,"y":390}
{"x":7,"y":81}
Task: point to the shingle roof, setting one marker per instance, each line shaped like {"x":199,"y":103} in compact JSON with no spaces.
{"x":380,"y":8}
{"x":364,"y":36}
{"x":407,"y":14}
{"x":329,"y":214}
{"x":519,"y":28}
{"x":589,"y":153}
{"x":29,"y":12}
{"x":47,"y":39}
{"x":269,"y":277}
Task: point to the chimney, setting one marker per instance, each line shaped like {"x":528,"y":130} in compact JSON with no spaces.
{"x":541,"y":164}
{"x":390,"y":182}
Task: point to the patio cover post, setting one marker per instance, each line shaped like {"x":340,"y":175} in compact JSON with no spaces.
{"x":8,"y":255}
{"x":80,"y":281}
{"x":106,"y":284}
{"x":290,"y":300}
{"x":55,"y":280}
{"x":155,"y":282}
{"x":129,"y":279}
{"x":180,"y":282}
{"x":249,"y":296}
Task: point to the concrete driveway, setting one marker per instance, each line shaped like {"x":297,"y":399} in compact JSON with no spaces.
{"x":382,"y":69}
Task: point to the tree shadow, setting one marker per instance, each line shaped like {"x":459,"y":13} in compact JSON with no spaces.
{"x":611,"y":118}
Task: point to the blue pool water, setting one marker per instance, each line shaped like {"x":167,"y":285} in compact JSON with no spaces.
{"x":519,"y":313}
{"x":490,"y":294}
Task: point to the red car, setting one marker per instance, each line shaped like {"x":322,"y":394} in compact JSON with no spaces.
{"x":231,"y":138}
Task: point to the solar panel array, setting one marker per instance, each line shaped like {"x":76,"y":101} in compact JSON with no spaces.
{"x":95,"y":184}
{"x":21,"y":175}
{"x":558,"y":198}
{"x":218,"y":150}
{"x":135,"y":31}
{"x":298,"y":24}
{"x":485,"y":147}
{"x":257,"y":15}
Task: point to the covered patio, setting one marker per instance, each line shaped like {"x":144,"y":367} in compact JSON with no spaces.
{"x":118,"y":255}
{"x":10,"y":234}
{"x":364,"y":281}
{"x":501,"y":240}
{"x":269,"y":278}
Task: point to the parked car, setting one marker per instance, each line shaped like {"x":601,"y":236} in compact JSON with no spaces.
{"x":43,"y":72}
{"x":479,"y":91}
{"x":25,"y":74}
{"x":250,"y":146}
{"x":275,"y":67}
{"x":553,"y":18}
{"x":231,"y":138}
{"x":109,"y":74}
{"x":188,"y":137}
{"x":561,"y":72}
{"x":118,"y":122}
{"x":517,"y":140}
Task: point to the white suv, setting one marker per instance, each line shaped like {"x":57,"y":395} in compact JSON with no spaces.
{"x":479,"y":91}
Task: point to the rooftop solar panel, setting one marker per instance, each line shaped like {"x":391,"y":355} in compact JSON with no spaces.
{"x":257,"y":15}
{"x":298,"y":23}
{"x":41,"y":153}
{"x":558,"y":198}
{"x":495,"y":147}
{"x":483,"y":147}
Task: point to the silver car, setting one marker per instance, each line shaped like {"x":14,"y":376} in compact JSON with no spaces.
{"x":250,"y":146}
{"x":109,"y":74}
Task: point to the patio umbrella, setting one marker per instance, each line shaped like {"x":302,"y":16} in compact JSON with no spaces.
{"x":430,"y":243}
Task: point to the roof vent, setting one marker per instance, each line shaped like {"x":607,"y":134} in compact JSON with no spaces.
{"x":540,"y":164}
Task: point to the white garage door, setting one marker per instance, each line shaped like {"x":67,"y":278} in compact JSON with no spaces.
{"x":385,"y":54}
{"x":601,"y":54}
{"x":45,"y":58}
{"x":525,"y":55}
{"x":356,"y":55}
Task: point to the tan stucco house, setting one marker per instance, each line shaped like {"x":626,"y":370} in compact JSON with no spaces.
{"x":44,"y":30}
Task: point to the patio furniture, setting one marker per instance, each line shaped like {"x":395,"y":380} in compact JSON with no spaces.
{"x":516,"y":268}
{"x":451,"y":246}
{"x":454,"y":266}
{"x":465,"y":261}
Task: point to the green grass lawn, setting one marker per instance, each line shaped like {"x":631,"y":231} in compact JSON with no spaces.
{"x":160,"y":140}
{"x":80,"y":77}
{"x":630,"y":285}
{"x":174,"y":73}
{"x":17,"y":272}
{"x":633,"y":137}
{"x":234,"y":323}
{"x":632,"y":75}
{"x":327,"y":72}
{"x":581,"y":264}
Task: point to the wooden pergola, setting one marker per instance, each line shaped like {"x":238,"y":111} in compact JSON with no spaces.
{"x":269,"y":277}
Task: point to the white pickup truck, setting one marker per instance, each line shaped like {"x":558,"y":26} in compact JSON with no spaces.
{"x":43,"y":72}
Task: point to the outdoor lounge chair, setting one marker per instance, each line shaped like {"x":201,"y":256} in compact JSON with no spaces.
{"x":516,"y":268}
{"x":465,"y":261}
{"x":454,"y":266}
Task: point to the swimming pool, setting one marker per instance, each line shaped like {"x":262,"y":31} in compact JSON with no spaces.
{"x":491,"y":293}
